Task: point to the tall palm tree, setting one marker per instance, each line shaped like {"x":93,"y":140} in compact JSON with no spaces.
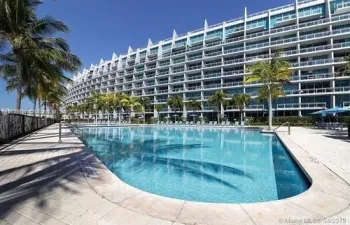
{"x":118,"y":104}
{"x":240,"y":101}
{"x":218,"y":100}
{"x":158,"y":108}
{"x":95,"y":100}
{"x":146,"y":105}
{"x":130,"y":104}
{"x":175,"y":102}
{"x":194,"y":105}
{"x":107,"y":103}
{"x":273,"y":74}
{"x":30,"y":50}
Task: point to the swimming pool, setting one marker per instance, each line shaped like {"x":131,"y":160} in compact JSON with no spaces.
{"x":199,"y":164}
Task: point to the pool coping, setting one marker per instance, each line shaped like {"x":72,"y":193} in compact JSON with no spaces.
{"x":328,"y":195}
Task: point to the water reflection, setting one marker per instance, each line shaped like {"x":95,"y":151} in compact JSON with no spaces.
{"x":198,"y":164}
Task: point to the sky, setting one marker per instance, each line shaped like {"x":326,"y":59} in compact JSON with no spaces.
{"x":100,"y":27}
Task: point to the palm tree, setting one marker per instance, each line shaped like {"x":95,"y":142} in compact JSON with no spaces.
{"x":218,"y":100}
{"x":69,"y":110}
{"x":240,"y":101}
{"x":107,"y":103}
{"x":31,"y":51}
{"x":117,"y":103}
{"x":158,"y":108}
{"x":175,"y":102}
{"x":194,"y":105}
{"x":95,"y":100}
{"x":130,"y":104}
{"x":146,"y":105}
{"x":273,"y":74}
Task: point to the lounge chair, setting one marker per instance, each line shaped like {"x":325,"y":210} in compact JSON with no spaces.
{"x":171,"y":123}
{"x":191,"y":123}
{"x":242,"y":123}
{"x":215,"y":123}
{"x":198,"y":122}
{"x":176,"y":122}
{"x":187,"y":122}
{"x":223,"y":123}
{"x":158,"y":122}
{"x":228,"y":123}
{"x":203,"y":122}
{"x":210,"y":123}
{"x":236,"y":123}
{"x":167,"y":123}
{"x":180,"y":122}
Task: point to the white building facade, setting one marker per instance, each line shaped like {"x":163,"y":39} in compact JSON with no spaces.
{"x":313,"y":35}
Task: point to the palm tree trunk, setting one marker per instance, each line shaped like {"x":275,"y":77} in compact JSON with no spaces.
{"x":18,"y":99}
{"x":96,"y":117}
{"x":39,"y":106}
{"x":34,"y":107}
{"x":270,"y":108}
{"x":241,"y":111}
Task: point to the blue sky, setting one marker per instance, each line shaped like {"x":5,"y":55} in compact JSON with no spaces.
{"x":99,"y":28}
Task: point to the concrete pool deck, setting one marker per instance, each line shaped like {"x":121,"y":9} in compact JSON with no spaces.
{"x":45,"y":182}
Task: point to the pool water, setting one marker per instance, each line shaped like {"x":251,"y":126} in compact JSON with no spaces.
{"x":199,"y":164}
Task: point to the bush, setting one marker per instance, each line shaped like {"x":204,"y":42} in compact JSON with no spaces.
{"x":297,"y":120}
{"x":135,"y":120}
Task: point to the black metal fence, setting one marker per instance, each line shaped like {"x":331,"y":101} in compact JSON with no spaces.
{"x":16,"y":125}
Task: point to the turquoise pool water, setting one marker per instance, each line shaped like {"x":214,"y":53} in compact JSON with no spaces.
{"x":199,"y":164}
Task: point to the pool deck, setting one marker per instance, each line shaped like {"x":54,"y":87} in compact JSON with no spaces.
{"x":46,"y":182}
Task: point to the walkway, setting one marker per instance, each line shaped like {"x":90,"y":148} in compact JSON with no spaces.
{"x":41,"y":182}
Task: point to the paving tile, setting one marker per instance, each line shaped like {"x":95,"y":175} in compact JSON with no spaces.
{"x":154,"y":205}
{"x":32,"y":214}
{"x":53,"y":221}
{"x":206,"y":213}
{"x":17,"y":219}
{"x":76,"y":220}
{"x":155,"y":221}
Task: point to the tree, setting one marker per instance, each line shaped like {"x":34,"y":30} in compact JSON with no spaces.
{"x":175,"y":102}
{"x":218,"y":100}
{"x":158,"y":108}
{"x":95,"y":100}
{"x":194,"y":105}
{"x":107,"y":101}
{"x":30,"y":50}
{"x":273,"y":74}
{"x":130,"y":104}
{"x":240,"y":101}
{"x":118,"y":104}
{"x":146,"y":105}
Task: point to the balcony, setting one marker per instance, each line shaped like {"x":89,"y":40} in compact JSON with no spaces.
{"x":213,"y":37}
{"x":194,"y":77}
{"x":296,"y":106}
{"x":216,"y":43}
{"x":319,"y":62}
{"x":208,"y":86}
{"x":177,"y":80}
{"x":233,"y":32}
{"x":178,"y":46}
{"x":211,"y":54}
{"x":234,"y":72}
{"x":163,"y":82}
{"x":194,"y":67}
{"x":214,"y":64}
{"x":285,"y":20}
{"x":212,"y":75}
{"x":162,"y":91}
{"x":310,"y":14}
{"x":343,"y":7}
{"x":194,"y":88}
{"x":232,"y":84}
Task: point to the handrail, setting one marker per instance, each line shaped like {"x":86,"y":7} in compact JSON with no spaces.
{"x":76,"y":127}
{"x":283,"y":125}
